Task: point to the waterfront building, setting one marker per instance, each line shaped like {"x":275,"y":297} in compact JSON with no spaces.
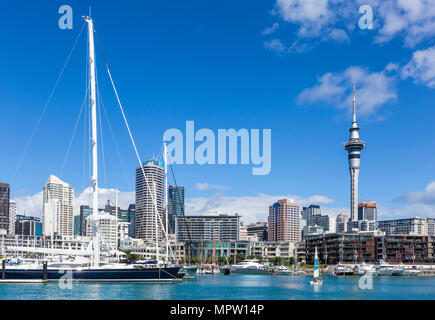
{"x":108,"y":228}
{"x":370,"y":247}
{"x":176,"y":205}
{"x":131,"y":218}
{"x":354,"y":147}
{"x":194,"y":228}
{"x":147,"y":249}
{"x":258,"y":229}
{"x":224,"y":249}
{"x":58,"y":206}
{"x":409,"y":226}
{"x":341,"y":247}
{"x":405,"y":248}
{"x":284,"y":221}
{"x":71,"y":245}
{"x":268,"y":249}
{"x":430,"y":223}
{"x":145,"y":218}
{"x":12,"y":216}
{"x":77,"y":225}
{"x":4,"y":206}
{"x":28,"y":226}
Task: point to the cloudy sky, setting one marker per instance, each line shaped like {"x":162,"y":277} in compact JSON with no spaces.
{"x":284,"y":65}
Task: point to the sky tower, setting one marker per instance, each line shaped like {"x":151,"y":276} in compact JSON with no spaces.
{"x":354,"y":147}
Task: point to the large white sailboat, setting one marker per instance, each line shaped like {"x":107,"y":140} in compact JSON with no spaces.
{"x":97,"y":269}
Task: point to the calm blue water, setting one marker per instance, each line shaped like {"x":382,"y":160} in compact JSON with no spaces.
{"x":232,"y":287}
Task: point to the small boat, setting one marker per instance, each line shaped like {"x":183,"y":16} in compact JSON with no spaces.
{"x":283,"y":271}
{"x":249,"y":266}
{"x":412,"y":272}
{"x":382,"y":268}
{"x":317,"y":280}
{"x":396,"y":271}
{"x":204,"y":270}
{"x":364,"y":268}
{"x":190,"y":270}
{"x":343,"y":270}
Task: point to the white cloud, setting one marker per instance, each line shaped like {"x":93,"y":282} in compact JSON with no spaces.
{"x":252,"y":208}
{"x":275,"y":45}
{"x":323,"y":20}
{"x":311,"y":15}
{"x":422,"y":67}
{"x":31,"y":205}
{"x":320,"y":20}
{"x":374,"y":89}
{"x":271,"y":29}
{"x":413,"y":20}
{"x":427,"y":196}
{"x":413,"y":210}
{"x":207,"y":186}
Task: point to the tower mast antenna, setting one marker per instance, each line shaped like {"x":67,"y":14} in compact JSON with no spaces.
{"x":354,"y":103}
{"x":353,"y":148}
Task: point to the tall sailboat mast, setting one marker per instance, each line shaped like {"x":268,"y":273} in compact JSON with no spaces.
{"x":166,"y":200}
{"x":93,"y":103}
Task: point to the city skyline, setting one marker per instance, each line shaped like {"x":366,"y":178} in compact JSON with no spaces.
{"x":388,"y":101}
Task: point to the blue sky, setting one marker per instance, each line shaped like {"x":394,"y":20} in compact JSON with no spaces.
{"x":284,"y":65}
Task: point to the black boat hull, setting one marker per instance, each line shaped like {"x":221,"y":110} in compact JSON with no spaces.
{"x":110,"y":275}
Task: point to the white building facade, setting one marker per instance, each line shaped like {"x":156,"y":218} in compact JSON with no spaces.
{"x":12,"y":216}
{"x":58,"y":205}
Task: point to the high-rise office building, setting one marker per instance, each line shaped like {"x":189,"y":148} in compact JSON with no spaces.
{"x":4,"y":206}
{"x":58,"y":206}
{"x":224,"y":227}
{"x":176,"y":205}
{"x":341,"y":223}
{"x":314,"y":217}
{"x":354,"y":147}
{"x":131,"y":218}
{"x":145,"y":224}
{"x":12,"y":216}
{"x":86,"y":211}
{"x":308,"y":213}
{"x":28,"y":226}
{"x":284,"y":221}
{"x":258,"y":229}
{"x":367,"y":211}
{"x":77,"y":225}
{"x":112,"y":209}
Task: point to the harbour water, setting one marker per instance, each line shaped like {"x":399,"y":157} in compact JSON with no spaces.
{"x":255,"y":287}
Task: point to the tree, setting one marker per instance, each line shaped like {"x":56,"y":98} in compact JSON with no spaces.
{"x":221,"y":260}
